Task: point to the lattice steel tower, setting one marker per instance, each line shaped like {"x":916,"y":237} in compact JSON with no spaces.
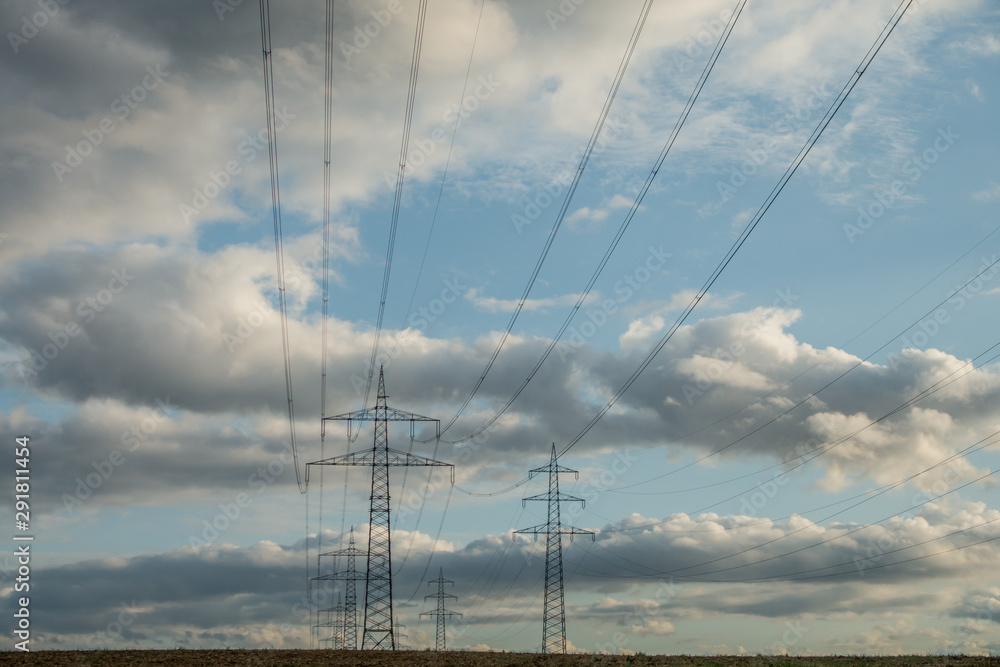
{"x":441,"y":613}
{"x":378,"y":625}
{"x":349,"y":575}
{"x":334,"y":621}
{"x":554,"y":615}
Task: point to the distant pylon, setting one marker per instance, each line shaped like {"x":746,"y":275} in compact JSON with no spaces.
{"x":441,"y":613}
{"x":335,"y":621}
{"x":554,"y":615}
{"x":349,"y":575}
{"x":399,"y":636}
{"x":378,"y":628}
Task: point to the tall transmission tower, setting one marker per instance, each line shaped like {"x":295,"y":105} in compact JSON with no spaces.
{"x":441,"y":613}
{"x":378,"y":625}
{"x":554,"y":617}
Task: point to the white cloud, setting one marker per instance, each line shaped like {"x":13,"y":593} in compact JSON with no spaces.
{"x":988,"y":194}
{"x":493,"y":305}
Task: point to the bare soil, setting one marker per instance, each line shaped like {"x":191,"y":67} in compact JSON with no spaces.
{"x":329,"y":658}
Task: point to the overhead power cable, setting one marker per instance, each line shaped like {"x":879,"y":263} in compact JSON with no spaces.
{"x":808,"y":457}
{"x":700,"y":576}
{"x":709,"y":66}
{"x":444,"y":178}
{"x":404,"y":146}
{"x":430,"y":233}
{"x":591,"y":144}
{"x":785,"y":577}
{"x":324,"y":343}
{"x":752,"y":224}
{"x":801,"y":402}
{"x":279,"y":250}
{"x":971,"y":449}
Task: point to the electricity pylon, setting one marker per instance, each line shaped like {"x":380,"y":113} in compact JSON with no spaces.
{"x":378,"y":627}
{"x":399,"y":635}
{"x":441,"y":613}
{"x":335,"y":621}
{"x":349,"y":575}
{"x":554,"y":616}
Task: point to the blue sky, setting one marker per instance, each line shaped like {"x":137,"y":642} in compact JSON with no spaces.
{"x":137,"y":245}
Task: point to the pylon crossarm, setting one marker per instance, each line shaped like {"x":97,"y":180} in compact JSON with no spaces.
{"x":346,"y":552}
{"x":561,"y":497}
{"x":542,"y":529}
{"x":577,"y":531}
{"x":386,"y":414}
{"x":549,"y":468}
{"x":435,"y":612}
{"x":373,"y":414}
{"x":441,"y":595}
{"x":366,"y":458}
{"x":394,"y":458}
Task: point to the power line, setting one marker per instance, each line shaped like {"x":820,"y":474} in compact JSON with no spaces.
{"x":700,"y":576}
{"x":777,"y":417}
{"x":594,"y":138}
{"x":418,"y":40}
{"x":710,"y":65}
{"x":279,"y":249}
{"x":444,"y":178}
{"x":327,"y":156}
{"x":829,"y":446}
{"x":752,"y":224}
{"x":971,"y":449}
{"x":937,"y":386}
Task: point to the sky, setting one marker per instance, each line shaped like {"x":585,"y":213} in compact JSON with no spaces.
{"x":806,"y":466}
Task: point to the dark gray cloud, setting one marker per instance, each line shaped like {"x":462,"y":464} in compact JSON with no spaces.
{"x":238,"y":595}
